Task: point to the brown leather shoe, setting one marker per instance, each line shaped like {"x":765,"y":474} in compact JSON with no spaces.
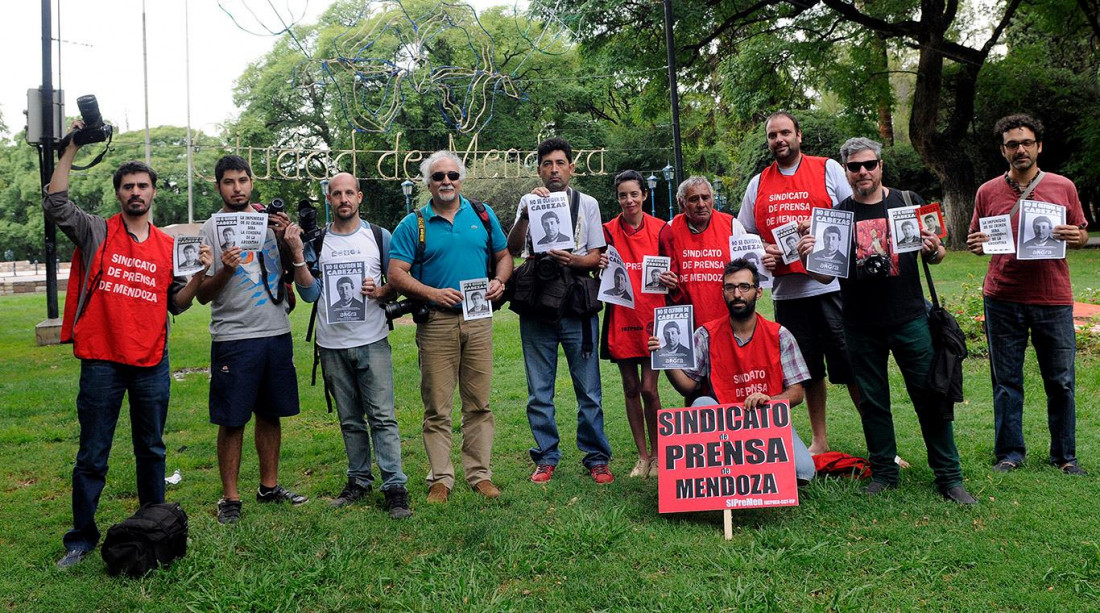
{"x":487,"y":489}
{"x":438,"y":493}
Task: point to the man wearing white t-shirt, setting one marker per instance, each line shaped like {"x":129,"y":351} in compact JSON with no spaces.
{"x":355,"y":356}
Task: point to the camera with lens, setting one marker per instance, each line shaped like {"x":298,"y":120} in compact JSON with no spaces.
{"x":397,"y":310}
{"x":94,"y":130}
{"x":875,"y":266}
{"x":276,"y":206}
{"x":307,"y":219}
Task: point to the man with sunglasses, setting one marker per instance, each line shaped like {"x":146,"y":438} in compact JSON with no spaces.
{"x":787,"y":190}
{"x":884,"y":314}
{"x":457,"y":245}
{"x":1029,"y":295}
{"x":745,"y":358}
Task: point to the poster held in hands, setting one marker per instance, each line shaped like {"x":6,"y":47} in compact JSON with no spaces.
{"x":673,"y":325}
{"x":551,"y":225}
{"x":749,"y":247}
{"x":999,"y":230}
{"x":475,"y":305}
{"x":1036,"y":231}
{"x":904,"y":229}
{"x":343,"y":282}
{"x":931,"y":219}
{"x":652,"y":268}
{"x":185,"y":256}
{"x":244,"y":230}
{"x":615,"y":285}
{"x":832,"y":231}
{"x":786,"y":236}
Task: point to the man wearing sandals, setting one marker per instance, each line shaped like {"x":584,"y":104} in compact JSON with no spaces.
{"x":1029,"y":295}
{"x":251,"y":363}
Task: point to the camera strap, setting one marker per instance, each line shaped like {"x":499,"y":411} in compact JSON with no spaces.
{"x":99,"y":158}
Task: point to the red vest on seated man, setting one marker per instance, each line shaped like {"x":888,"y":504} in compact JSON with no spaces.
{"x":736,"y":372}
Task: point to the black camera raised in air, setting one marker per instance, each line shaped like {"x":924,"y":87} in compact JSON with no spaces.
{"x":94,"y":130}
{"x":397,"y":310}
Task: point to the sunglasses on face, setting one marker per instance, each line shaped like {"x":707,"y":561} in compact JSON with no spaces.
{"x":869,"y":165}
{"x":438,"y":176}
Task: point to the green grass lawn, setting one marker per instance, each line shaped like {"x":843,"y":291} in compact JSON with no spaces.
{"x":1030,"y":545}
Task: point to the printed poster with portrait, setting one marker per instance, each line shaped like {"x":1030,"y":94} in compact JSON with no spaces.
{"x":244,"y":230}
{"x":905,"y":229}
{"x":786,"y":236}
{"x":185,"y":255}
{"x":1036,"y":231}
{"x":931,"y":219}
{"x":832,"y":231}
{"x":344,"y":300}
{"x":674,"y":327}
{"x":475,"y":304}
{"x":615,"y":285}
{"x":551,"y":225}
{"x":652,"y":268}
{"x":750,"y":248}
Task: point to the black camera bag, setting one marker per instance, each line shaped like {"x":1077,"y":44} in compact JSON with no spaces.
{"x":153,"y":537}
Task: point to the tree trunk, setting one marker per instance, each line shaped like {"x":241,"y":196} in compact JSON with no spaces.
{"x":884,"y":95}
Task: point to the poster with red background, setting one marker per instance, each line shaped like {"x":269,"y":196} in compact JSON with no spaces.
{"x":722,"y":457}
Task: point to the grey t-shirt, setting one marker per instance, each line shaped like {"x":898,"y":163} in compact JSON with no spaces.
{"x":244,"y":308}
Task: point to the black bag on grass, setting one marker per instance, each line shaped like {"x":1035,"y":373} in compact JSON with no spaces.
{"x":153,"y":537}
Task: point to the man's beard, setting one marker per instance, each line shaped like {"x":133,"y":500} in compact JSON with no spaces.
{"x":869,"y":191}
{"x":130,"y":211}
{"x":741,"y":311}
{"x":233,"y":206}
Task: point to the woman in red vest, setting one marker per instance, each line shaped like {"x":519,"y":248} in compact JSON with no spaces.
{"x":626,"y":331}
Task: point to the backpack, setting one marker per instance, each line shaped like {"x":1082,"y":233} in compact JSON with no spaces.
{"x":840,"y":464}
{"x":153,"y":537}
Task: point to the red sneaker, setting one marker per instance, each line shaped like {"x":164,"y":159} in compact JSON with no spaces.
{"x":601,"y":474}
{"x":543,"y":473}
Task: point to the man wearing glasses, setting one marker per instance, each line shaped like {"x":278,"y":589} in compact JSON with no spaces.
{"x":1035,"y":295}
{"x":753,"y":360}
{"x":884,"y":313}
{"x":788,"y":190}
{"x":458,"y":244}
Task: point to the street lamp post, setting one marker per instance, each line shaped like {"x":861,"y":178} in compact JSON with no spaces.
{"x":407,"y":189}
{"x":651,"y":180}
{"x":669,"y":172}
{"x":719,"y":196}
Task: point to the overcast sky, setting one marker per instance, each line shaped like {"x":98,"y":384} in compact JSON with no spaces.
{"x":101,"y":54}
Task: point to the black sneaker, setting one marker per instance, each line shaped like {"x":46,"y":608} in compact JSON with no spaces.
{"x":229,"y":511}
{"x":353,"y":492}
{"x":72,"y":557}
{"x":280,"y":494}
{"x":397,"y":502}
{"x":959,"y":495}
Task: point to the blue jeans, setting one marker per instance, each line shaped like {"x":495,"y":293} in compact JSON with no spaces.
{"x":102,"y":385}
{"x":1052,"y":334}
{"x":361,"y":381}
{"x":804,"y":469}
{"x":540,"y":359}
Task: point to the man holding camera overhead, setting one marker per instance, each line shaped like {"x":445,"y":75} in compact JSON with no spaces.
{"x":120,"y":292}
{"x":434,"y":249}
{"x":356,"y":362}
{"x":884,"y":312}
{"x":251,"y":360}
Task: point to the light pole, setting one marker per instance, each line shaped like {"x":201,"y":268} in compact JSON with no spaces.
{"x":652,"y":181}
{"x":719,"y":198}
{"x":669,"y":172}
{"x":407,"y":189}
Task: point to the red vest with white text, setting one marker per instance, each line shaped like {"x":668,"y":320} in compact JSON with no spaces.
{"x":736,"y":372}
{"x":780,"y":199}
{"x":628,"y":330}
{"x":125,"y":316}
{"x":702,"y":257}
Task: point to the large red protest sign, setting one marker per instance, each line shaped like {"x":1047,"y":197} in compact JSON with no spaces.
{"x":721,"y":457}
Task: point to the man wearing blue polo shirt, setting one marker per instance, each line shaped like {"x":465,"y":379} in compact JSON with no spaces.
{"x":458,"y":246}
